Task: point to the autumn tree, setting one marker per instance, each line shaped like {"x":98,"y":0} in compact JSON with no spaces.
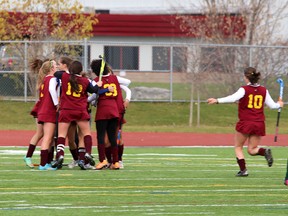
{"x":42,"y":20}
{"x":262,"y":21}
{"x":234,"y":35}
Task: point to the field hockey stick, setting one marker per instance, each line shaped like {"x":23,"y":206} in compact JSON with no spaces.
{"x":102,"y":67}
{"x":281,"y":83}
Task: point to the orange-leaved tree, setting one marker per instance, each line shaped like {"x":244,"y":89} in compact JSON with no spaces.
{"x":53,"y":21}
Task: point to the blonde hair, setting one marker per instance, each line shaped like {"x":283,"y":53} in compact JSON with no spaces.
{"x":44,"y":70}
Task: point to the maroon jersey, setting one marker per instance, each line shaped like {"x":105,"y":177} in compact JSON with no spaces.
{"x":34,"y":110}
{"x":251,"y":106}
{"x":46,"y":108}
{"x":71,"y":100}
{"x":107,"y":106}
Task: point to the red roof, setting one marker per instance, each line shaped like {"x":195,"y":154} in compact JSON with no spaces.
{"x":128,"y":25}
{"x":164,"y":25}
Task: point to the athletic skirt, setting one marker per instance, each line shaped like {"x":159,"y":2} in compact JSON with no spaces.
{"x":34,"y":111}
{"x":42,"y":118}
{"x":73,"y":115}
{"x":251,"y":128}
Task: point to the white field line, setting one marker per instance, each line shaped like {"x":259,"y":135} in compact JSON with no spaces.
{"x":63,"y":172}
{"x":22,"y":152}
{"x":176,"y":155}
{"x":16,"y":152}
{"x":131,"y":192}
{"x":142,"y":207}
{"x":12,"y":201}
{"x":136,"y":156}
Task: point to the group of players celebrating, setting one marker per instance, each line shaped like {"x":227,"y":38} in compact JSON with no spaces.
{"x":64,"y":106}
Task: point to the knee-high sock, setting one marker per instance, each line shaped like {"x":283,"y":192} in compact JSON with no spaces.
{"x":101,"y":152}
{"x":44,"y":157}
{"x":242,"y":164}
{"x":114,"y":150}
{"x":108,"y":154}
{"x":120,"y":152}
{"x":50,"y":154}
{"x":74,"y":153}
{"x":287,"y":171}
{"x":81,"y":153}
{"x":261,"y":151}
{"x":31,"y":150}
{"x":88,"y":143}
{"x":60,"y":147}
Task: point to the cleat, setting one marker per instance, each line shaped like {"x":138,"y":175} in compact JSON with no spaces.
{"x":121,"y":164}
{"x":102,"y":165}
{"x":28,"y":162}
{"x":243,"y":173}
{"x":73,"y":164}
{"x":58,"y":163}
{"x":268,"y":157}
{"x":115,"y":166}
{"x":46,"y":167}
{"x":89,"y":166}
{"x":286,"y":182}
{"x":84,"y":166}
{"x":90,"y":159}
{"x":81,"y":164}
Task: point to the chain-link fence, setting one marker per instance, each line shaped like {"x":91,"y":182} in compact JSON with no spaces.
{"x":158,"y":71}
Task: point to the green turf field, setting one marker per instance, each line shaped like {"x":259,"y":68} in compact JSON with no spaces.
{"x":155,"y":181}
{"x":153,"y":117}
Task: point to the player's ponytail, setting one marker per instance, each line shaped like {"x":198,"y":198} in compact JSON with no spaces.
{"x":252,"y":75}
{"x":75,"y":68}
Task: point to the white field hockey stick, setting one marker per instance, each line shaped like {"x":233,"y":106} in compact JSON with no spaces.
{"x":281,"y":83}
{"x":102,"y":67}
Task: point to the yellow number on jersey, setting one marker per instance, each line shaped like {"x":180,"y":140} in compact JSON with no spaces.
{"x":74,"y":94}
{"x":41,"y":90}
{"x":114,"y":93}
{"x":255,"y":101}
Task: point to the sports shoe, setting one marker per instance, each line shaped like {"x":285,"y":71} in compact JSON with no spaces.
{"x":46,"y":167}
{"x":115,"y":166}
{"x":81,"y":164}
{"x":101,"y":165}
{"x":28,"y":162}
{"x":58,"y":162}
{"x":121,"y":164}
{"x":268,"y":157}
{"x":73,"y":164}
{"x":286,"y":182}
{"x":243,"y":173}
{"x":89,"y":166}
{"x":90,"y":159}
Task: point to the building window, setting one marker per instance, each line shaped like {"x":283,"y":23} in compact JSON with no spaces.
{"x":122,"y":58}
{"x":180,"y":59}
{"x":161,"y":59}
